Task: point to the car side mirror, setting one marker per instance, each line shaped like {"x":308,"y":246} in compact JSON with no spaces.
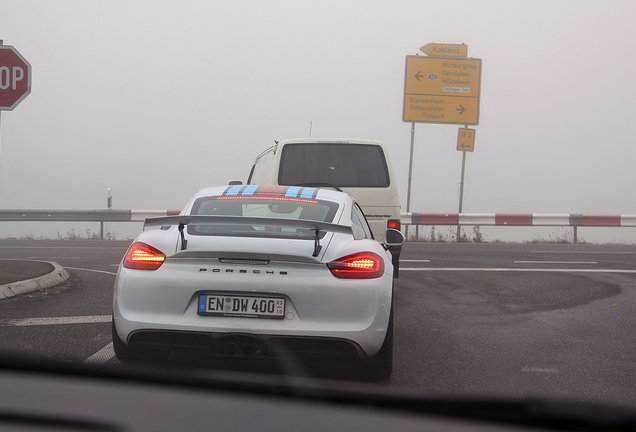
{"x":393,"y":238}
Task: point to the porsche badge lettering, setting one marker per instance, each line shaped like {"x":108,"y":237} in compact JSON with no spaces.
{"x":244,"y":271}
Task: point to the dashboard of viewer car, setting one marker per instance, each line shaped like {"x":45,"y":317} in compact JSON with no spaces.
{"x":45,"y":397}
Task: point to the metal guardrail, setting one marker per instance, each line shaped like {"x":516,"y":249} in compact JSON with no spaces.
{"x":458,"y":219}
{"x":100,"y":216}
{"x":82,"y":215}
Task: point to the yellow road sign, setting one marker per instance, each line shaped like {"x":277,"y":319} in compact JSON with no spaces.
{"x":466,"y":139}
{"x":442,"y":90}
{"x":445,"y":50}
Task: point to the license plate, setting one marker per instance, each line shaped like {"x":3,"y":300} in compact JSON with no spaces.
{"x":241,"y":306}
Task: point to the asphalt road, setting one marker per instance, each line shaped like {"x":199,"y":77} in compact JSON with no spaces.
{"x":471,"y":319}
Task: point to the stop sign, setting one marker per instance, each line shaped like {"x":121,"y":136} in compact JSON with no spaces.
{"x":15,"y":77}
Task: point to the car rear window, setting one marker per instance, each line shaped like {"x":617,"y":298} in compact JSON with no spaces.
{"x":337,"y":164}
{"x":262,"y":207}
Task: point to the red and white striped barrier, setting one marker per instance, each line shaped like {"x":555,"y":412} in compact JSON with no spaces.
{"x":518,"y":219}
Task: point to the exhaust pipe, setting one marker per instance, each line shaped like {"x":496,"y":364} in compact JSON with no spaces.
{"x":231,"y":349}
{"x":239,"y":345}
{"x":248,"y":350}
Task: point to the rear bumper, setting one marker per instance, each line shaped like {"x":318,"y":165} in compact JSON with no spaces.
{"x":244,"y":344}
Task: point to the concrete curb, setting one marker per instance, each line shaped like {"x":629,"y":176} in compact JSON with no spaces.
{"x":58,"y":275}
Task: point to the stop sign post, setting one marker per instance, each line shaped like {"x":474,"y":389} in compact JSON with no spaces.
{"x":15,"y":77}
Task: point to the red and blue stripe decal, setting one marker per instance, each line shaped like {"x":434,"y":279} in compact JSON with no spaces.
{"x":272,"y":191}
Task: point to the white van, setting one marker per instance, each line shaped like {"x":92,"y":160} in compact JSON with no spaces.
{"x":357,"y":166}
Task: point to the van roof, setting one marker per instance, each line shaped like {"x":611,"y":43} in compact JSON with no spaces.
{"x":330,"y":141}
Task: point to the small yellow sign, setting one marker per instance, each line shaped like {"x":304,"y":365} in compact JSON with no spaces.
{"x":466,"y":139}
{"x":445,"y":50}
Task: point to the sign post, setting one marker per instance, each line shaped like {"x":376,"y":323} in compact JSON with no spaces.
{"x":443,"y":87}
{"x":109,"y":206}
{"x":465,"y":142}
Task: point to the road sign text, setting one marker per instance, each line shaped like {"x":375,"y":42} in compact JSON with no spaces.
{"x":445,"y":50}
{"x":442,"y":90}
{"x":10,"y":78}
{"x":15,"y":77}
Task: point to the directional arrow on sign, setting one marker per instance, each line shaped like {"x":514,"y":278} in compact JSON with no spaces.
{"x":435,"y":93}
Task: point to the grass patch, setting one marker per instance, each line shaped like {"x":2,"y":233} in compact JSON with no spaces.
{"x":450,"y":236}
{"x":90,"y":235}
{"x":70,"y":235}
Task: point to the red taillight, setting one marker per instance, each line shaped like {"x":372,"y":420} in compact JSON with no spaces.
{"x":141,"y":256}
{"x":394,"y":223}
{"x":366,"y":265}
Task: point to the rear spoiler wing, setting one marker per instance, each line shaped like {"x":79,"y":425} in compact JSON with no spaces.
{"x":183,"y":220}
{"x":242,"y":220}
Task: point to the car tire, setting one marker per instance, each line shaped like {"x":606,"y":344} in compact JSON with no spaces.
{"x":122,"y":352}
{"x":396,"y":266}
{"x":380,"y":366}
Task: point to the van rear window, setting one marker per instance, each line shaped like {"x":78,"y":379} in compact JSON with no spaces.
{"x":338,"y":164}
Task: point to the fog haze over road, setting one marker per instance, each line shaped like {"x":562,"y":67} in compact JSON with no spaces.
{"x":158,"y":99}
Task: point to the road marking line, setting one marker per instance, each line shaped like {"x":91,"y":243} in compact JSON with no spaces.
{"x":56,"y":320}
{"x":539,"y":369}
{"x":64,"y":247}
{"x":555,"y":262}
{"x":476,"y":269}
{"x":52,"y":258}
{"x":582,"y":252}
{"x":424,"y":261}
{"x":101,"y":356}
{"x":91,"y":270}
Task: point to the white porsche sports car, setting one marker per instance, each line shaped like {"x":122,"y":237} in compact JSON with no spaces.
{"x":259,"y":271}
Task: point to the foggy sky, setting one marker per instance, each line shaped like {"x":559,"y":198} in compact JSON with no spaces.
{"x":159,"y":99}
